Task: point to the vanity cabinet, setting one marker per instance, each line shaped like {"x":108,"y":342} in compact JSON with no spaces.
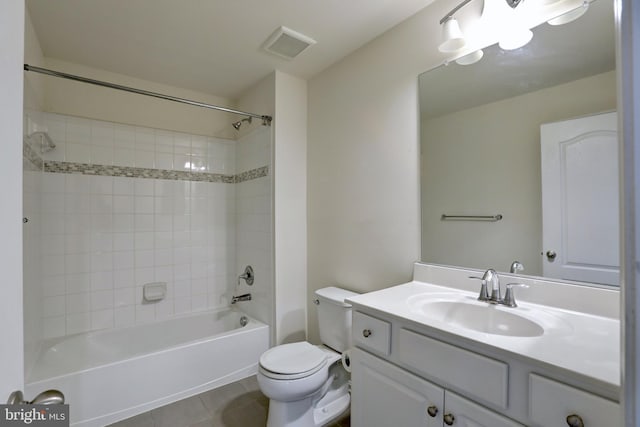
{"x":385,"y":395}
{"x":404,"y":376}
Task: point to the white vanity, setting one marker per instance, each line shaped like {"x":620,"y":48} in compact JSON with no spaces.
{"x":429,"y":354}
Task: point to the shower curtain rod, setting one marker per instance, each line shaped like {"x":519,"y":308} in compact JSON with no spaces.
{"x":266,"y":120}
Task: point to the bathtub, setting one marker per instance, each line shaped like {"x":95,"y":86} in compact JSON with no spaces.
{"x":110,"y":375}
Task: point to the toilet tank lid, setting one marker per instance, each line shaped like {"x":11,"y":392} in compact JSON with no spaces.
{"x":335,"y":295}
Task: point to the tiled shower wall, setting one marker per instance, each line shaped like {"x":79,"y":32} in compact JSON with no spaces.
{"x":140,"y":205}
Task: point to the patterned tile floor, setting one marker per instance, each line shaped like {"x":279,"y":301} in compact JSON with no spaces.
{"x":239,"y":404}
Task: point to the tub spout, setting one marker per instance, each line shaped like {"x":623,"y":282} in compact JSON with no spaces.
{"x":243,"y":297}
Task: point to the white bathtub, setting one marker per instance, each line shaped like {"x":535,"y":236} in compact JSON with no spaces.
{"x":107,"y":376}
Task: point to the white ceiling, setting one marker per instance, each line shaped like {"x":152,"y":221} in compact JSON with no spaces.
{"x":213,"y":46}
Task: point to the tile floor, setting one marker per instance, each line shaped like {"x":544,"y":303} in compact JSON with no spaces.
{"x":239,"y":404}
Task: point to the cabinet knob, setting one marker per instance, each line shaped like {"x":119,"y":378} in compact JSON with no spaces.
{"x":366,"y":333}
{"x":574,"y":420}
{"x":449,"y":419}
{"x":432,"y":411}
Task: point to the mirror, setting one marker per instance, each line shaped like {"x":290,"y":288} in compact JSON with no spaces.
{"x":481,"y":144}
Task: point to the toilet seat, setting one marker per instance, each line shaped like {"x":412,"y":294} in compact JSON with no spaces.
{"x":292,"y":361}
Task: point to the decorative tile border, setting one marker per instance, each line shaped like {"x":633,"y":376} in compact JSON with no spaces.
{"x":33,"y":161}
{"x":251,"y":174}
{"x":133,"y":172}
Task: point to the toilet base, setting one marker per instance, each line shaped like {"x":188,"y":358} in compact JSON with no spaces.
{"x":310,"y":412}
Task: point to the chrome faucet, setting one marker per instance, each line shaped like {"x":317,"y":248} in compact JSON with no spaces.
{"x":490,"y":278}
{"x":243,"y":297}
{"x":515,"y":267}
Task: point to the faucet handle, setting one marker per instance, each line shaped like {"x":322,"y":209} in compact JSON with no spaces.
{"x":509,"y":297}
{"x":484,"y":293}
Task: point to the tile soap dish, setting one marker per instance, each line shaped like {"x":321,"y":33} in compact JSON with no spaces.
{"x":155,"y":291}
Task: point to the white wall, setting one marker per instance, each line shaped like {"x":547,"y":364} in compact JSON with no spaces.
{"x":363,"y":193}
{"x":496,"y":169}
{"x":11,"y":87}
{"x":84,"y":100}
{"x":290,"y":207}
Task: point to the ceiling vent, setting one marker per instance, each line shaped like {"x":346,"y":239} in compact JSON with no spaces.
{"x":287,"y":43}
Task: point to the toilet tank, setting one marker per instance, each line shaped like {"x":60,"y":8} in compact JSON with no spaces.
{"x":334,"y":317}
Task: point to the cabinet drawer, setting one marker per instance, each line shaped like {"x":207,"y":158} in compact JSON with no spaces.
{"x":552,"y":402}
{"x":483,"y":378}
{"x":371,"y":333}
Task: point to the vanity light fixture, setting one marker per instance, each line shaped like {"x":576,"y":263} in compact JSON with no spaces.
{"x":515,"y":35}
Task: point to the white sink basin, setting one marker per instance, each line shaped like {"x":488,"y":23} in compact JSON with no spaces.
{"x":487,"y":318}
{"x":466,"y":312}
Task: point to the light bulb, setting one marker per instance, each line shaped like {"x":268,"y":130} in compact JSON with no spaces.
{"x":471,"y":58}
{"x":516,"y":39}
{"x":452,"y":37}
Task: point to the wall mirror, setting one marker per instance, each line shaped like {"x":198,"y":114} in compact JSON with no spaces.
{"x":481,"y":155}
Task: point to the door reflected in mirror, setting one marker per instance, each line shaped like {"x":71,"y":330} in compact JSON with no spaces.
{"x":481,"y":155}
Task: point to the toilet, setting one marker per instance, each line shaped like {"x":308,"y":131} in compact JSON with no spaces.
{"x":308,"y":385}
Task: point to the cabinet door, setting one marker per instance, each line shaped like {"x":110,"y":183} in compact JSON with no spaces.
{"x":385,"y":395}
{"x":460,"y":412}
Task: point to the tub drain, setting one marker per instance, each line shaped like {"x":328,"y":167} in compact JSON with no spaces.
{"x":244,"y":321}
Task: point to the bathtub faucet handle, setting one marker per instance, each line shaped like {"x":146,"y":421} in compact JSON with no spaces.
{"x":248,"y":276}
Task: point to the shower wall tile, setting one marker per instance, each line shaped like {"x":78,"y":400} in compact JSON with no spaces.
{"x":124,"y":316}
{"x":78,"y":322}
{"x":102,"y":319}
{"x":54,"y":327}
{"x":115,"y":234}
{"x":102,"y":238}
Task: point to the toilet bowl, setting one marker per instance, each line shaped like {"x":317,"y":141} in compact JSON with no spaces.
{"x":315,"y":395}
{"x":307,"y":385}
